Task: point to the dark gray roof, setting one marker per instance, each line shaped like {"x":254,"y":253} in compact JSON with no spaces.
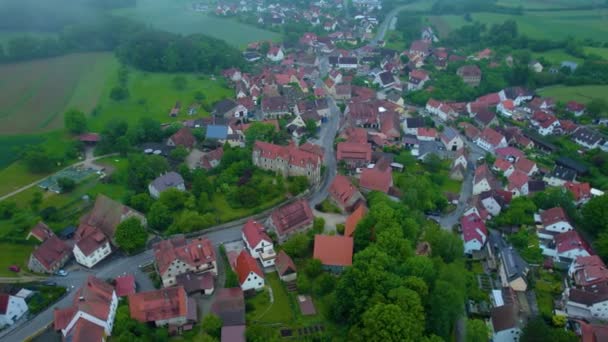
{"x":414,"y":122}
{"x":563,"y":173}
{"x":168,"y":180}
{"x":572,"y":164}
{"x":347,"y":60}
{"x":224,"y":106}
{"x":587,"y":136}
{"x":449,"y":133}
{"x":387,"y":78}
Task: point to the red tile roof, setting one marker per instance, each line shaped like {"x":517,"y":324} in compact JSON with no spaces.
{"x":517,"y":180}
{"x":51,"y":252}
{"x":245,"y":265}
{"x":254,"y":233}
{"x":85,"y":330}
{"x":508,"y":104}
{"x":419,"y":74}
{"x":570,"y":240}
{"x":125,"y":285}
{"x":473,"y":228}
{"x":502,"y":164}
{"x":284,"y":263}
{"x":553,"y":215}
{"x":89,"y":137}
{"x":342,"y":190}
{"x":334,"y":250}
{"x":41,"y":231}
{"x":198,"y":252}
{"x":183,"y":137}
{"x":292,"y":217}
{"x":353,"y":219}
{"x":107,"y":214}
{"x":357,"y":151}
{"x":490,"y":99}
{"x":62,"y":317}
{"x":4,"y":299}
{"x":543,"y":119}
{"x":355,"y":135}
{"x":525,"y":165}
{"x":579,"y":191}
{"x":427,"y":132}
{"x":377,"y":179}
{"x":159,"y":305}
{"x":491,"y":136}
{"x":89,"y":239}
{"x":505,"y":152}
{"x":574,"y":106}
{"x":292,"y":154}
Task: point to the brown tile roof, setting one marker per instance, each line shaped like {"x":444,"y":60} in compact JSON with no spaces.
{"x":348,"y":150}
{"x":184,"y":137}
{"x":41,"y":231}
{"x":229,"y":305}
{"x":491,"y":136}
{"x":89,"y":239}
{"x":85,"y":330}
{"x":334,"y":250}
{"x":284,"y":263}
{"x":107,"y":214}
{"x":292,"y":154}
{"x":342,"y":190}
{"x":125,"y":285}
{"x":51,"y":252}
{"x":254,"y":233}
{"x":159,"y":305}
{"x":292,"y":217}
{"x":198,"y":252}
{"x":353,"y":219}
{"x":376,"y":179}
{"x":553,"y":215}
{"x":504,"y":317}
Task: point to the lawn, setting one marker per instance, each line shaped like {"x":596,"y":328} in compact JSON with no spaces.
{"x":395,"y":41}
{"x":582,"y":94}
{"x":34,"y":95}
{"x":546,"y":25}
{"x":602,"y":52}
{"x":451,"y":185}
{"x":265,"y":312}
{"x":11,"y":254}
{"x":178,"y":17}
{"x":557,"y":56}
{"x":225,"y":213}
{"x":544,"y":4}
{"x":547,"y":287}
{"x":153,"y":95}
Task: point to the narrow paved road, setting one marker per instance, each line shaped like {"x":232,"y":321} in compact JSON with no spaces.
{"x":87,"y":162}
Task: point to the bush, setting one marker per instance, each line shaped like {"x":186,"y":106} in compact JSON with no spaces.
{"x":66,"y":184}
{"x":44,"y":297}
{"x":340,"y":228}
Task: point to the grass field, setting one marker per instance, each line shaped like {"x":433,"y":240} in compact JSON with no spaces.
{"x":6,"y":36}
{"x":34,"y":95}
{"x":582,"y":94}
{"x":545,"y":4}
{"x":265,"y":312}
{"x":13,"y":255}
{"x":557,"y":56}
{"x":602,"y":52}
{"x":153,"y":95}
{"x":176,"y":16}
{"x":546,"y":25}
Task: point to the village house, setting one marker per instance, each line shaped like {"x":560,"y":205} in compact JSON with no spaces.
{"x":560,"y":176}
{"x":286,"y":268}
{"x":386,"y":79}
{"x":578,"y":109}
{"x":470,"y":74}
{"x":417,"y":79}
{"x":545,"y":124}
{"x":566,"y":247}
{"x":290,"y":219}
{"x":91,"y":246}
{"x":378,"y":178}
{"x":420,"y":48}
{"x":586,"y":272}
{"x":504,"y":166}
{"x":474,"y":233}
{"x":12,"y":308}
{"x":494,"y":201}
{"x":484,"y":117}
{"x":484,"y":180}
{"x":588,"y":138}
{"x":490,"y":140}
{"x":166,"y":181}
{"x":228,"y":108}
{"x":451,"y":139}
{"x":513,"y":270}
{"x":506,"y":326}
{"x":517,"y":183}
{"x":91,"y":316}
{"x":248,"y":272}
{"x":274,"y":106}
{"x":580,"y":191}
{"x":51,"y":254}
{"x":526,"y":166}
{"x":183,"y":137}
{"x":275,"y":54}
{"x":177,"y":256}
{"x":165,"y":307}
{"x":353,"y":219}
{"x":211,"y":159}
{"x":535,"y":66}
{"x":411,"y":125}
{"x":426,"y":134}
{"x":555,"y":220}
{"x":506,"y":108}
{"x":354,"y":155}
{"x":344,"y":194}
{"x":363,"y":114}
{"x":229,"y":306}
{"x":258,"y":243}
{"x":334,"y":251}
{"x":587,"y":304}
{"x":287,"y":160}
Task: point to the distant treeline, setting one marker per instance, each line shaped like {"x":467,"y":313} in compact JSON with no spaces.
{"x":134,"y":43}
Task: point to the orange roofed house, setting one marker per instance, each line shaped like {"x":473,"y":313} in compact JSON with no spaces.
{"x":97,"y":229}
{"x":290,"y":219}
{"x":344,"y":194}
{"x":170,"y":306}
{"x":287,"y":160}
{"x":354,"y":155}
{"x":177,"y":256}
{"x":91,"y":316}
{"x":335,"y":252}
{"x":353,"y":220}
{"x":52,"y":253}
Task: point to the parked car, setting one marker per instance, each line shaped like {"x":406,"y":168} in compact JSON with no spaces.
{"x":14,"y":268}
{"x":62,"y":273}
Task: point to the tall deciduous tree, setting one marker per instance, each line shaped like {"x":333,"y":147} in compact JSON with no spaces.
{"x":159,"y":217}
{"x":212,"y":325}
{"x":75,"y":121}
{"x":595,"y":219}
{"x":388,"y":322}
{"x":477,"y":331}
{"x":131,"y":235}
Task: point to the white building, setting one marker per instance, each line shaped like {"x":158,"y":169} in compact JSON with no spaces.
{"x":474,"y":233}
{"x":258,"y":243}
{"x":589,"y":304}
{"x":505,"y":324}
{"x":555,"y":220}
{"x":11,"y":309}
{"x":249,"y":273}
{"x":275,"y":54}
{"x":90,"y":249}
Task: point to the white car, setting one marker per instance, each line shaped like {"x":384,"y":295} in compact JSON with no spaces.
{"x":62,"y":273}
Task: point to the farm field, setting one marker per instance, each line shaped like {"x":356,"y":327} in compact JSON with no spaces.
{"x":176,"y":16}
{"x":556,"y":56}
{"x":34,"y":95}
{"x":547,"y":25}
{"x":602,"y":52}
{"x":545,"y":4}
{"x":153,"y":95}
{"x":582,"y":94}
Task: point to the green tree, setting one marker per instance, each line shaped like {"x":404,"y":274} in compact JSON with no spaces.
{"x":594,"y":212}
{"x":173,"y":199}
{"x":142,"y":169}
{"x":36,"y":200}
{"x":119,"y":93}
{"x":75,"y":121}
{"x":66,"y":184}
{"x":260,"y":131}
{"x":298,"y":246}
{"x":597,"y":107}
{"x":538,"y":330}
{"x":8,"y":208}
{"x":131,"y":235}
{"x":189,"y":221}
{"x":199,"y":96}
{"x":141,"y":202}
{"x":37,"y":160}
{"x":159,"y":217}
{"x":477,"y":331}
{"x":388,"y":322}
{"x":212,"y":325}
{"x":179,"y":153}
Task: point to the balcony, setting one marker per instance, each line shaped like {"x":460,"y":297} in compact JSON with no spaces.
{"x":267,"y":254}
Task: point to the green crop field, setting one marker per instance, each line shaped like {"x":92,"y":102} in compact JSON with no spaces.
{"x":581,"y":94}
{"x":34,"y":95}
{"x":557,"y":56}
{"x":602,"y":52}
{"x":178,"y":17}
{"x":153,"y":95}
{"x":545,"y":4}
{"x":546,"y":25}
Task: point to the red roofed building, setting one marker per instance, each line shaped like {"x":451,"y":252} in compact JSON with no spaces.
{"x":285,"y":267}
{"x":89,"y":138}
{"x":290,"y":219}
{"x":183,"y":137}
{"x":91,"y":246}
{"x":177,"y":256}
{"x":595,"y":332}
{"x":503,"y":166}
{"x":544,"y":123}
{"x":420,"y":48}
{"x":91,"y":316}
{"x":490,"y":140}
{"x":470,"y":75}
{"x":363,"y":114}
{"x":555,"y":220}
{"x":376,"y":179}
{"x":526,"y":166}
{"x":353,"y":220}
{"x":575,"y":108}
{"x":484,"y":54}
{"x":509,"y":152}
{"x":426,"y":134}
{"x":335,"y":252}
{"x":518,"y":183}
{"x":580,"y":191}
{"x":474,"y":233}
{"x":417,"y":79}
{"x":355,"y":135}
{"x":489,"y":100}
{"x":170,"y":306}
{"x":588,"y":271}
{"x":40,"y":232}
{"x":484,"y":180}
{"x":287,"y":160}
{"x":50,"y":256}
{"x":354,"y":155}
{"x":344,"y":194}
{"x":258,"y":243}
{"x":124,"y":285}
{"x":506,"y":108}
{"x":568,"y":246}
{"x":248,"y":271}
